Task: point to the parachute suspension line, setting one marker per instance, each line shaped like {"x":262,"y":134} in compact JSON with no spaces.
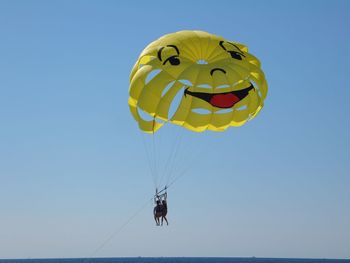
{"x":170,"y":162}
{"x":183,"y":172}
{"x":175,"y":156}
{"x":180,"y":174}
{"x":153,"y":150}
{"x":119,"y":229}
{"x":155,"y":163}
{"x":159,"y":192}
{"x":158,"y":153}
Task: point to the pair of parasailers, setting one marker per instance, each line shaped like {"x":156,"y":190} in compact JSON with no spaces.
{"x":161,"y":209}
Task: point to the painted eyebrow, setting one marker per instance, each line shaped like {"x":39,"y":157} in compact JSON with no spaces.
{"x":222,"y":45}
{"x":161,"y":49}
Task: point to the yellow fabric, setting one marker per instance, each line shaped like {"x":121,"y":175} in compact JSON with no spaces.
{"x":196,"y":62}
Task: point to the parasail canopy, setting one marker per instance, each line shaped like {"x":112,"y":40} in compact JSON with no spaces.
{"x":197,"y":80}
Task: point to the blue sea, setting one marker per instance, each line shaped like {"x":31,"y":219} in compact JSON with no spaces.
{"x":176,"y":260}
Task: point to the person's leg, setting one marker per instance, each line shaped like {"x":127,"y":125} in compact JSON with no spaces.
{"x":157,"y":220}
{"x":166,"y":220}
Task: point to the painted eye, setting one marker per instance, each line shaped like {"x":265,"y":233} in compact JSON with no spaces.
{"x":235,"y":55}
{"x":174,"y":61}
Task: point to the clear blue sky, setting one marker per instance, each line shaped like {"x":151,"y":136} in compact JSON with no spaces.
{"x":72,"y":161}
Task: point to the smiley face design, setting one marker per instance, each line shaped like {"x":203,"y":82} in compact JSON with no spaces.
{"x":196,"y":80}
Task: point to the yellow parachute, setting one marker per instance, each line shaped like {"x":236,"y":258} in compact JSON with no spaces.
{"x":220,"y":83}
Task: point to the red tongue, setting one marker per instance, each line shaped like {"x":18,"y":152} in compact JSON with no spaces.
{"x":224,"y":100}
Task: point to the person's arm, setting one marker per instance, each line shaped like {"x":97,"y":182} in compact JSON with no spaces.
{"x":156,"y":197}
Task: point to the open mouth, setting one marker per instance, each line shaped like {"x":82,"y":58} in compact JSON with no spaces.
{"x":221,"y":100}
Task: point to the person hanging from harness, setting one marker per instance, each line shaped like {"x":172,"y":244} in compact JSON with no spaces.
{"x":164,"y":211}
{"x":161,"y":208}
